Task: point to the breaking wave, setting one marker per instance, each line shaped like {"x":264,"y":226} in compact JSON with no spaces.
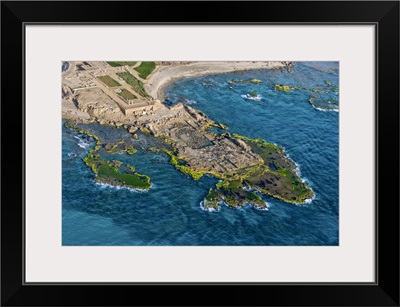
{"x":136,"y":190}
{"x":82,"y":143}
{"x":251,"y":97}
{"x":209,"y":209}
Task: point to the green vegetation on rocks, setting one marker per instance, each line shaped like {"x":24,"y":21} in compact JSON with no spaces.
{"x":212,"y":200}
{"x":275,"y":175}
{"x":112,"y":172}
{"x":323,"y":104}
{"x":282,"y":88}
{"x":319,"y":90}
{"x":131,"y":150}
{"x":209,"y":125}
{"x":254,"y":80}
{"x":234,"y":194}
{"x":120,"y":147}
{"x":114,"y":148}
{"x":145,"y":131}
{"x":181,"y":165}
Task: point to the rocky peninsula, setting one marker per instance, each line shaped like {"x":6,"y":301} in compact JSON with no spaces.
{"x":245,"y":167}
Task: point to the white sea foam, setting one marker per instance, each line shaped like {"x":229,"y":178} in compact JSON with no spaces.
{"x":248,"y":96}
{"x":297,"y":169}
{"x":237,"y":207}
{"x":263,"y":208}
{"x":81,"y":142}
{"x":309,"y":184}
{"x":83,"y":145}
{"x":255,"y":206}
{"x":116,"y":187}
{"x":190,"y":102}
{"x":251,"y":189}
{"x":309,"y":200}
{"x":209,"y":209}
{"x":326,"y":110}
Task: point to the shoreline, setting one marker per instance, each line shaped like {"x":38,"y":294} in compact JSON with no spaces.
{"x":165,"y":75}
{"x":171,"y":123}
{"x":168,"y":72}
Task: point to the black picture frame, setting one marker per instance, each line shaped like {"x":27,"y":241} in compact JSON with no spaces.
{"x":384,"y":292}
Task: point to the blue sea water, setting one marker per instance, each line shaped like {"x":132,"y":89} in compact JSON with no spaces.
{"x":169,"y":214}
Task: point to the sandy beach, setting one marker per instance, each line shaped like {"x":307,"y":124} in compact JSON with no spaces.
{"x":165,"y":74}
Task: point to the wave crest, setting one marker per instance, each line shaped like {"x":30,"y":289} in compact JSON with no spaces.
{"x":250,"y":97}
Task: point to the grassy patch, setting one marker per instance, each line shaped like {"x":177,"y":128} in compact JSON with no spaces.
{"x":212,"y":199}
{"x":118,"y":64}
{"x":145,"y":69}
{"x":109,"y":172}
{"x":213,"y":195}
{"x":136,"y":84}
{"x":107,"y":80}
{"x":126,"y":94}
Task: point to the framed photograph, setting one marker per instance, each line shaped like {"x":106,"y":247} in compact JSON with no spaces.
{"x":252,"y":149}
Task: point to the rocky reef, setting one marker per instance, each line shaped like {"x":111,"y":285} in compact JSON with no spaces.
{"x":246,"y":168}
{"x":112,"y":172}
{"x":274,"y":175}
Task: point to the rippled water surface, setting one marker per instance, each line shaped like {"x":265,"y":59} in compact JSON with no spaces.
{"x":170,"y":213}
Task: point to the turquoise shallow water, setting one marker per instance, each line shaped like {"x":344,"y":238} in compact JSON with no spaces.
{"x":170,"y":213}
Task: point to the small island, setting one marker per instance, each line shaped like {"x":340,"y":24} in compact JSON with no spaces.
{"x":282,"y":88}
{"x":112,"y":172}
